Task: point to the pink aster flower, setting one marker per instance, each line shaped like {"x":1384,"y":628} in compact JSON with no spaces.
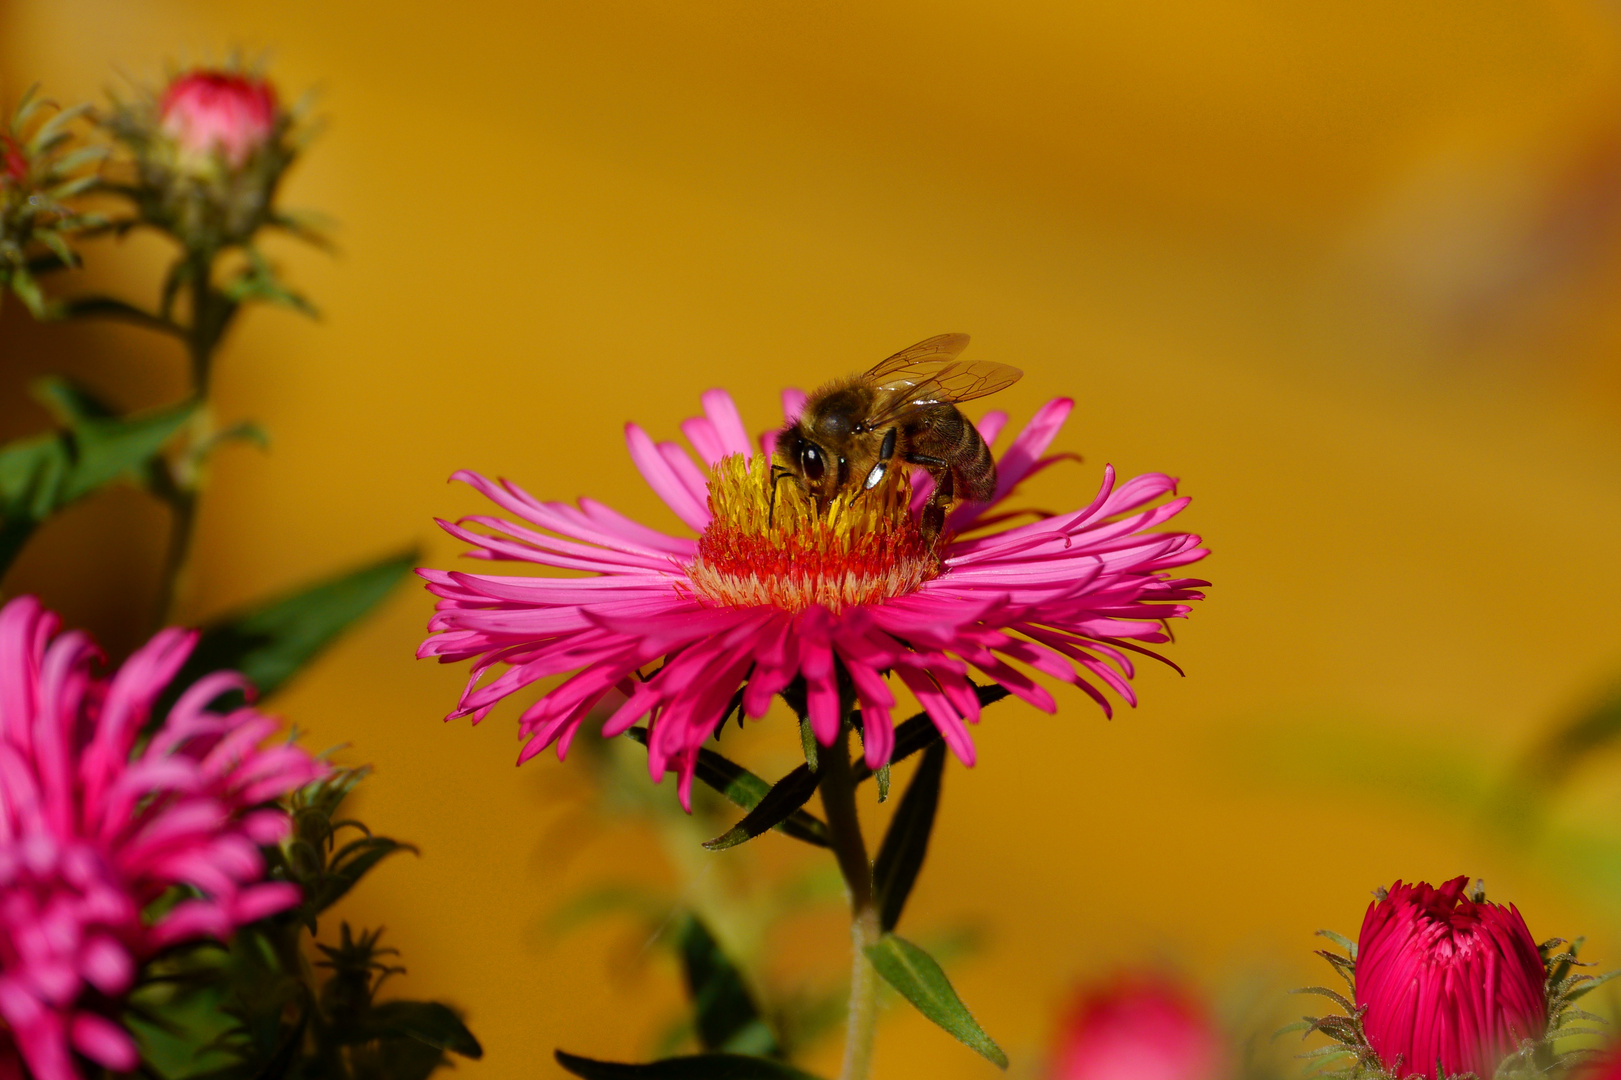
{"x":93,"y":830}
{"x":1606,"y":1066}
{"x":1135,"y":1028}
{"x":218,"y":112}
{"x":1447,"y":981}
{"x":764,"y":595}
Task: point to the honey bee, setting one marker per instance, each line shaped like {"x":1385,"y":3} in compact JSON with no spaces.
{"x":905,"y":408}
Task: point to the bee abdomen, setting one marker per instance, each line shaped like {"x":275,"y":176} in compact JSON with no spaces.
{"x":975,"y":468}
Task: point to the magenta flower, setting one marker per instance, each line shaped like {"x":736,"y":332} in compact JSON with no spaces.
{"x":1606,"y":1066}
{"x":92,"y":830}
{"x":1447,"y":981}
{"x":764,"y":596}
{"x":1139,"y":1029}
{"x":218,"y":112}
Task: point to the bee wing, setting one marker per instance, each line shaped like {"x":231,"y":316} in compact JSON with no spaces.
{"x":935,"y":377}
{"x":935,"y":350}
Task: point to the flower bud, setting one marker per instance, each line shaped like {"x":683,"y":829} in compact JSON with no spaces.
{"x":217,"y":115}
{"x":13,"y":164}
{"x":1447,"y":980}
{"x":1139,"y":1029}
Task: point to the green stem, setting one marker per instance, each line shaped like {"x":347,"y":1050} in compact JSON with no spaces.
{"x":186,"y":472}
{"x":844,"y":825}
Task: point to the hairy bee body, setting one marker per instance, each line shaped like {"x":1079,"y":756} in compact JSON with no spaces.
{"x":850,"y":432}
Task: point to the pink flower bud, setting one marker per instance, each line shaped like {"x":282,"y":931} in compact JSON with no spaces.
{"x":218,"y":112}
{"x":13,"y":165}
{"x":1447,"y":980}
{"x":1138,"y":1029}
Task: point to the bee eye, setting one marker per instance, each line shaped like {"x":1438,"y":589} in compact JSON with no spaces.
{"x":810,"y":460}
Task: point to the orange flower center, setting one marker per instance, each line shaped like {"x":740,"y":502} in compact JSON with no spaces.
{"x":862,"y":548}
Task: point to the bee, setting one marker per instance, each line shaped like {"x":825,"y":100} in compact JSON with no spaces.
{"x":851,"y":431}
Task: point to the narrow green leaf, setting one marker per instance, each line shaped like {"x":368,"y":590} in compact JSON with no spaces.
{"x":110,"y":307}
{"x":786,"y":796}
{"x":743,"y":788}
{"x":427,"y":1022}
{"x":696,"y":1067}
{"x":807,"y":742}
{"x":354,"y":862}
{"x":907,"y":842}
{"x":725,"y":1015}
{"x":270,"y":643}
{"x":918,"y":732}
{"x":883,"y":782}
{"x":919,"y":980}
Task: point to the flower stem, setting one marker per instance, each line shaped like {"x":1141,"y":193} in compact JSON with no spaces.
{"x":844,"y":826}
{"x":185,"y":479}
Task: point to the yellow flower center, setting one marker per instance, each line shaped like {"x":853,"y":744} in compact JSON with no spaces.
{"x":862,"y":548}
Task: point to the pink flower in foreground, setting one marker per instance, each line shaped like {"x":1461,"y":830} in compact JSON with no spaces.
{"x":1136,"y":1029}
{"x":1447,"y":980}
{"x":92,"y":831}
{"x":223,"y":112}
{"x":763,"y":597}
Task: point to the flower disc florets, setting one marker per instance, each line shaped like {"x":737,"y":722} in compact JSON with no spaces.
{"x":863,"y":548}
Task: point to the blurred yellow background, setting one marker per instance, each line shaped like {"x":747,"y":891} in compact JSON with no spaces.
{"x":1350,"y":270}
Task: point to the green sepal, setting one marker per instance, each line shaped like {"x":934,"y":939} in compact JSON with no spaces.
{"x":743,"y":788}
{"x":270,"y":642}
{"x":782,"y":801}
{"x":913,"y":973}
{"x":724,"y":1012}
{"x":695,"y":1067}
{"x":44,"y":474}
{"x":917,"y":732}
{"x":907,"y":842}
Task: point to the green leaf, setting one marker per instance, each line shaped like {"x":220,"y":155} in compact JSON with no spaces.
{"x":725,"y":1014}
{"x":44,"y":474}
{"x":696,"y":1067}
{"x":349,"y":864}
{"x":110,"y":307}
{"x":883,"y":782}
{"x":807,"y":743}
{"x":919,"y":979}
{"x":270,"y":643}
{"x":907,"y":841}
{"x":743,"y":788}
{"x":785,"y":797}
{"x":427,"y":1022}
{"x":917,"y":732}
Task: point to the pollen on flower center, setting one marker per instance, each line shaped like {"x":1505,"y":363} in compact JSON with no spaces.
{"x":864,"y":547}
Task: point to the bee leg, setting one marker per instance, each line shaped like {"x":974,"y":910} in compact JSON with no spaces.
{"x":934,"y":511}
{"x":885,"y":453}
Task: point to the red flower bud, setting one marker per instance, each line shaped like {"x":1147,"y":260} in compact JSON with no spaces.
{"x":13,"y":165}
{"x":1138,"y":1029}
{"x":223,"y":112}
{"x":1447,"y":980}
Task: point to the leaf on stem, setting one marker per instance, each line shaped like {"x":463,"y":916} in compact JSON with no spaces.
{"x":919,"y":731}
{"x":696,"y":1067}
{"x":907,"y":841}
{"x":271,"y":642}
{"x":919,"y":980}
{"x":743,"y":788}
{"x":44,"y":474}
{"x":428,"y":1022}
{"x":783,"y":800}
{"x":725,"y":1015}
{"x":110,"y":307}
